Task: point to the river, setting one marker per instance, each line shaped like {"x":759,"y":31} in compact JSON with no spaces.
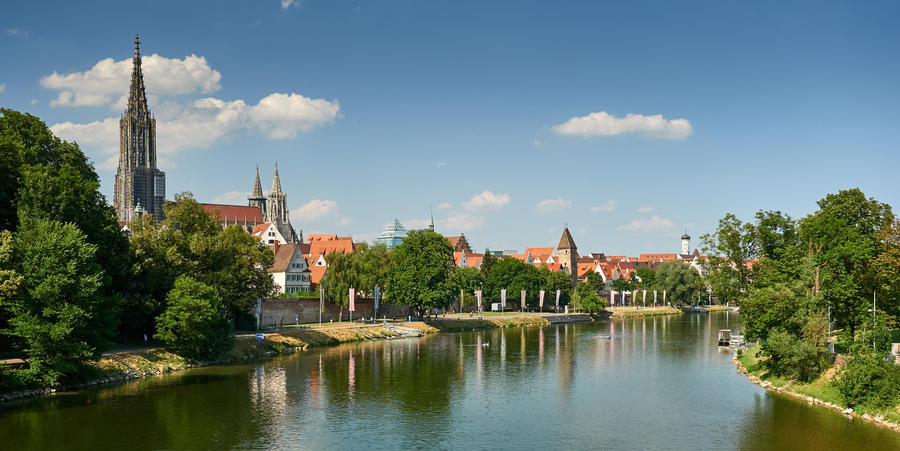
{"x":658,"y":383}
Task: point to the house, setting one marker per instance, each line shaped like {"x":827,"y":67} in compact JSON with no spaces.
{"x":459,"y":243}
{"x":317,"y":249}
{"x":269,"y":234}
{"x":290,"y":270}
{"x":467,"y":260}
{"x":248,"y":217}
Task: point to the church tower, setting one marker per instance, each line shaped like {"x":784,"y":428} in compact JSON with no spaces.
{"x":567,"y":254}
{"x":138,"y":181}
{"x":277,"y":211}
{"x":685,"y":243}
{"x":256,"y":198}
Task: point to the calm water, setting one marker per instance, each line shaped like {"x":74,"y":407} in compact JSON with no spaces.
{"x":660,"y":383}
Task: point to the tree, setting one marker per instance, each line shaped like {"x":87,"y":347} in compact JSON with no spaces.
{"x":771,"y":308}
{"x":677,"y":279}
{"x":466,"y":280}
{"x":61,"y":314}
{"x":587,"y":299}
{"x":646,"y":278}
{"x":886,"y":268}
{"x":595,"y":282}
{"x":842,"y":239}
{"x":420,"y":271}
{"x":729,"y":248}
{"x":556,"y":280}
{"x":339,"y":278}
{"x":196,"y":322}
{"x":622,"y":285}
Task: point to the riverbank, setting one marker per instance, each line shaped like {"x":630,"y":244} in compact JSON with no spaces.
{"x":121,"y":367}
{"x":819,"y":392}
{"x":630,"y":312}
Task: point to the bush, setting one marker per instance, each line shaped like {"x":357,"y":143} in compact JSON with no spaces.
{"x":792,"y":357}
{"x":871,"y":380}
{"x":195,"y":324}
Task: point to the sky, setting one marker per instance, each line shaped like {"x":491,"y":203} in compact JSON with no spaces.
{"x":631,"y":122}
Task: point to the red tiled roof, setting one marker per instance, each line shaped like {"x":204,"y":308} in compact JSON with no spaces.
{"x":260,"y":229}
{"x":326,"y":247}
{"x":235,"y":213}
{"x":316,"y":273}
{"x":658,"y":257}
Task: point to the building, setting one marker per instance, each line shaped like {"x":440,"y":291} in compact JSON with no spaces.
{"x":459,"y":243}
{"x":685,"y":243}
{"x":290,"y":270}
{"x":248,"y":217}
{"x":392,"y":235}
{"x":138,"y":181}
{"x":567,"y":254}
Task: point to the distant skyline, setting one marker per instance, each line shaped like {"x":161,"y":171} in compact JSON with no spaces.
{"x":630,"y":121}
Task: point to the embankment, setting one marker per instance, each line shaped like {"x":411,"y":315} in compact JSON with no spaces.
{"x":659,"y":311}
{"x":819,"y":392}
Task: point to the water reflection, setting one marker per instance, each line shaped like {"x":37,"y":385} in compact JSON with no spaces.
{"x":658,"y":382}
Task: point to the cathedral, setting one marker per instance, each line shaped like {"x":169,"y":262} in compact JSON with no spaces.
{"x":274,"y":208}
{"x":139,"y":186}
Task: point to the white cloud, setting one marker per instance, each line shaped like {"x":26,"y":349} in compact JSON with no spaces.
{"x":550,"y":205}
{"x":345,"y":221}
{"x":487,"y":200}
{"x":610,"y":205}
{"x":645,"y":209}
{"x":648,"y":225}
{"x":605,"y":124}
{"x":205,"y":121}
{"x":285,"y":4}
{"x":18,"y":32}
{"x":313,"y":210}
{"x":463,"y":222}
{"x":34,"y":101}
{"x":108,"y":81}
{"x":415,"y":224}
{"x":232,"y":198}
{"x":440,"y":164}
{"x":444,"y":206}
{"x":2,"y":87}
{"x":537,"y":143}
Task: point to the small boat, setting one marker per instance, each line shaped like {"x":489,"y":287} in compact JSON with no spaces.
{"x":724,"y":337}
{"x":602,"y":337}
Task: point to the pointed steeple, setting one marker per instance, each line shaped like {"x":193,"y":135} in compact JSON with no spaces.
{"x":257,"y":187}
{"x":431,"y":222}
{"x":137,"y":96}
{"x":276,"y":182}
{"x":566,"y":241}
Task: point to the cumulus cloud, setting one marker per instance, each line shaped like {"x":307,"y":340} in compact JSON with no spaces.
{"x":232,"y":198}
{"x":605,"y":124}
{"x":205,"y":121}
{"x":107,"y":81}
{"x":313,"y":210}
{"x":285,"y":4}
{"x":610,"y":205}
{"x":463,"y":222}
{"x":645,"y":209}
{"x":440,"y":164}
{"x":551,"y":205}
{"x":444,"y":205}
{"x":648,"y":225}
{"x":18,"y":32}
{"x":487,"y":200}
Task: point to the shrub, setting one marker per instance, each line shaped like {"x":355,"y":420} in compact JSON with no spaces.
{"x":195,"y":324}
{"x":871,"y":380}
{"x":793,"y":357}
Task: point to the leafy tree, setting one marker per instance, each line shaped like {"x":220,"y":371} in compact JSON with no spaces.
{"x":595,"y":282}
{"x":587,"y":299}
{"x":886,"y":268}
{"x":793,"y":357}
{"x":621,"y":285}
{"x":869,"y":380}
{"x":842,"y":237}
{"x":556,"y":280}
{"x":514,"y":276}
{"x":196,"y":322}
{"x":362,"y":269}
{"x":646,"y":278}
{"x":466,"y":280}
{"x":678,"y":281}
{"x":61,"y":314}
{"x":420,"y":271}
{"x":728,"y":249}
{"x":10,"y":281}
{"x":339,"y":278}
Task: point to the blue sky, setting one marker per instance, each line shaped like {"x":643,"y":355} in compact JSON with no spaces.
{"x":509,"y":119}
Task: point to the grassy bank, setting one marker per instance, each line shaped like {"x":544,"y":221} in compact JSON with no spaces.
{"x":657,"y":311}
{"x":820,"y":391}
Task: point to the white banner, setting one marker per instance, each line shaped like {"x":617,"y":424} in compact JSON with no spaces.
{"x":503,"y":298}
{"x":352,"y":300}
{"x":542,"y":299}
{"x":557,"y":298}
{"x":478,"y":298}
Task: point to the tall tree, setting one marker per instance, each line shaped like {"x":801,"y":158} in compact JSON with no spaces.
{"x":556,"y":280}
{"x":678,"y":280}
{"x":420,"y":271}
{"x":196,"y":322}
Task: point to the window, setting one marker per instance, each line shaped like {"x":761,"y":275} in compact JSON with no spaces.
{"x":271,"y":233}
{"x":271,"y":241}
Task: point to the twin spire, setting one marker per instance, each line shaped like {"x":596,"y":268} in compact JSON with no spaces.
{"x":137,"y":97}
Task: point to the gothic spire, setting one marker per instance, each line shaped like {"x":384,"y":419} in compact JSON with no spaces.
{"x":276,"y":182}
{"x":257,"y":187}
{"x":137,"y":97}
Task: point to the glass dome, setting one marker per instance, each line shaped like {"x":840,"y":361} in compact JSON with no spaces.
{"x":392,"y":235}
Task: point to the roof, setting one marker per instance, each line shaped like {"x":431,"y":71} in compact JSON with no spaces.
{"x":259,"y":229}
{"x":585,"y":259}
{"x":326,"y":247}
{"x":322,"y":237}
{"x":283,"y":255}
{"x":235,"y":213}
{"x":535,"y":251}
{"x":585,"y":268}
{"x":566,"y":241}
{"x":552,"y":267}
{"x":658,"y":257}
{"x":316,"y":273}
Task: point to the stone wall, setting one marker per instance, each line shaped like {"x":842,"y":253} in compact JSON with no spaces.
{"x":286,"y":311}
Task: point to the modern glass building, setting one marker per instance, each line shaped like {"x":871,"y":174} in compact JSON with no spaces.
{"x":392,"y":235}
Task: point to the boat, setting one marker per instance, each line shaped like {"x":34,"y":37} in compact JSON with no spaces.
{"x":602,"y":337}
{"x":724,"y":337}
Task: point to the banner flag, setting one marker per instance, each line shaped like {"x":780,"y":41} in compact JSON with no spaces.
{"x":542,"y":299}
{"x":503,"y":298}
{"x":352,"y":300}
{"x":478,"y":297}
{"x":612,"y":299}
{"x":523,"y":299}
{"x":377,"y":292}
{"x":321,"y":300}
{"x":557,"y":298}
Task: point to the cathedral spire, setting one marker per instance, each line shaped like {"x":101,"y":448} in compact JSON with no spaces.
{"x":137,"y":97}
{"x":276,"y":182}
{"x":257,"y":187}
